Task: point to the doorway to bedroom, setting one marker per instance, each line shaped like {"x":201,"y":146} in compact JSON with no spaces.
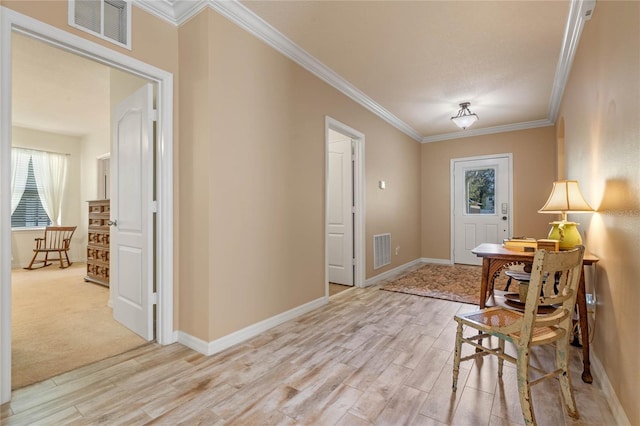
{"x":158,"y":269}
{"x":62,"y":319}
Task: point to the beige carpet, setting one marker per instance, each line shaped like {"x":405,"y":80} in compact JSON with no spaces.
{"x":459,"y":283}
{"x":61,"y":322}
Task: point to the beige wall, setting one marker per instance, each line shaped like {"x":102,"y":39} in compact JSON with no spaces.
{"x":193,"y":173}
{"x":253,"y":174}
{"x":534,"y":170}
{"x":602,"y":150}
{"x":154,"y":41}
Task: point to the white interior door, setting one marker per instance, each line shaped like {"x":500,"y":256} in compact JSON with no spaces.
{"x":340,"y":210}
{"x":132,"y":212}
{"x":482,"y":205}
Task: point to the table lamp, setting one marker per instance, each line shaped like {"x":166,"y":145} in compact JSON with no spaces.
{"x":565,"y":198}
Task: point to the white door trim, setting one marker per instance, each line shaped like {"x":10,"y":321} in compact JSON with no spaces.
{"x":11,"y":21}
{"x":453,"y":162}
{"x":358,"y":197}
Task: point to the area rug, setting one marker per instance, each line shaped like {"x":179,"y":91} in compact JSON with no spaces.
{"x":459,"y":283}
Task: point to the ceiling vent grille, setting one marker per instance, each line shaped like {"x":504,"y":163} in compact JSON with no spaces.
{"x":107,"y":19}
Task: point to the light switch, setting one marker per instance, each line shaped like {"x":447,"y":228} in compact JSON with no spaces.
{"x":382,"y":184}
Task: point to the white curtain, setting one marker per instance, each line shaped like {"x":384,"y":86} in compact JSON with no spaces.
{"x":50,"y":171}
{"x":19,"y":172}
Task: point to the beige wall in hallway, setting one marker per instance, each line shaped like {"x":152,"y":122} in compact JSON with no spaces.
{"x":602,"y":150}
{"x":534,"y":170}
{"x":253,"y":169}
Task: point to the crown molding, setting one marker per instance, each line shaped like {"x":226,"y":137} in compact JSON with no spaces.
{"x":179,"y":11}
{"x":175,"y":12}
{"x":580,"y":11}
{"x":249,"y":21}
{"x":488,"y":131}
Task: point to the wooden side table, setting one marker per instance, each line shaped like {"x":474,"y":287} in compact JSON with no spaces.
{"x":495,"y":257}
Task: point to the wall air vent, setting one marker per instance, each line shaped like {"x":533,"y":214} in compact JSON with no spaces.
{"x":381,"y":250}
{"x":107,"y":19}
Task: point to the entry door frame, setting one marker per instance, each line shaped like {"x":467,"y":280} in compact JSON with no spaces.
{"x":11,"y":21}
{"x":453,"y":162}
{"x":358,"y":198}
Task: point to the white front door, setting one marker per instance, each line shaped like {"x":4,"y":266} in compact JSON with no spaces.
{"x":482,"y":204}
{"x":340,"y":210}
{"x":132,"y":212}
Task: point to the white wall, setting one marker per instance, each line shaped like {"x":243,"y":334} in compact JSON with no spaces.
{"x":93,"y":146}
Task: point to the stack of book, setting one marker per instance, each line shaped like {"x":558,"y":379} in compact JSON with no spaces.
{"x":529,"y":244}
{"x":520,"y":244}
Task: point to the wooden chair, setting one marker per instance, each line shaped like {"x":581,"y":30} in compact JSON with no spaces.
{"x":529,"y":328}
{"x":56,"y":239}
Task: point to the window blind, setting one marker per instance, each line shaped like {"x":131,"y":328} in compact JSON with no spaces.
{"x":30,"y":213}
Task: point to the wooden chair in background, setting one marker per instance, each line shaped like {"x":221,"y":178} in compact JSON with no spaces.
{"x":56,"y":239}
{"x":530,"y":328}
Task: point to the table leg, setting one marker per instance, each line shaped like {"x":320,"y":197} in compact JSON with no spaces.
{"x":484,"y":282}
{"x":584,"y":330}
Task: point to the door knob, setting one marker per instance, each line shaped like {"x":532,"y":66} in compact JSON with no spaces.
{"x":504,"y":218}
{"x":112,"y":223}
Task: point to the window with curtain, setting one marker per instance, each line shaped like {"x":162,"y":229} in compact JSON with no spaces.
{"x":38,"y":181}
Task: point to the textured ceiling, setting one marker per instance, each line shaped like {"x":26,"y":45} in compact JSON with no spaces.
{"x":420,"y":59}
{"x":56,"y":91}
{"x":415,"y":60}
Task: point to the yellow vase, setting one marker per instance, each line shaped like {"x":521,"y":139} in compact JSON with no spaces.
{"x":566,"y":233}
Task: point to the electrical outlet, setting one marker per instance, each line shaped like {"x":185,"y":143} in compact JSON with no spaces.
{"x":397,"y":250}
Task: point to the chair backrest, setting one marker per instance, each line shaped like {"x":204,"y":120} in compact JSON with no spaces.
{"x":58,"y":237}
{"x":552,"y":270}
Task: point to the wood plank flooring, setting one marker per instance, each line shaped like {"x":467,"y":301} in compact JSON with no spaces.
{"x":368,"y":357}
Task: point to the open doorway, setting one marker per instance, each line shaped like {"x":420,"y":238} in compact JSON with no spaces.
{"x":344,"y":226}
{"x":62,"y":318}
{"x":161,"y":209}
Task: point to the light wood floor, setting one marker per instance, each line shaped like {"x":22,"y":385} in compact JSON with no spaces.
{"x":337,"y":288}
{"x":368,"y":357}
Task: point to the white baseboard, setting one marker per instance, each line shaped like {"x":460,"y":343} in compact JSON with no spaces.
{"x":387,"y":274}
{"x":600,"y":377}
{"x":218,"y":345}
{"x":391,"y":272}
{"x":436,"y":261}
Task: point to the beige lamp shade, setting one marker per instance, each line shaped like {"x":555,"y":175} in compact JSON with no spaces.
{"x":566,"y":198}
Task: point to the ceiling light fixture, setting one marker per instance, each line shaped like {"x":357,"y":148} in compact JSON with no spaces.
{"x":465,"y":118}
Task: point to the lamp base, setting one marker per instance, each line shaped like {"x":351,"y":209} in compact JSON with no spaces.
{"x":566,"y":233}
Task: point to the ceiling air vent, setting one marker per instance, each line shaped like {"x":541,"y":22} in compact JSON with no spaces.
{"x":107,"y":19}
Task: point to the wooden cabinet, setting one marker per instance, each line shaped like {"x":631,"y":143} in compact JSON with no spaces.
{"x":98,"y":242}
